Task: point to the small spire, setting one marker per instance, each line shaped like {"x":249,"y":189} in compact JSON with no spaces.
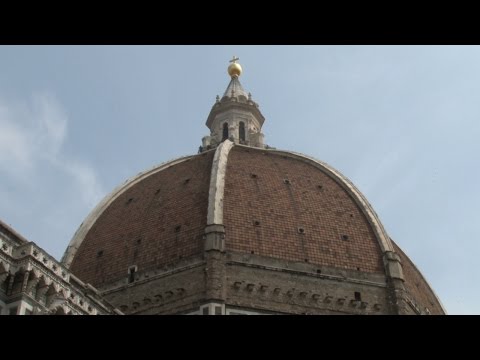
{"x":234,"y":69}
{"x":234,"y":89}
{"x":223,"y":122}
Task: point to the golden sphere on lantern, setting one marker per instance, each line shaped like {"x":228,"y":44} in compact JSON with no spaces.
{"x":234,"y":69}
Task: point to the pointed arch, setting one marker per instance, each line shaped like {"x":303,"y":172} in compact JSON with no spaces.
{"x":18,"y":281}
{"x":41,"y":289}
{"x":241,"y":131}
{"x":33,"y":280}
{"x":225,"y":132}
{"x":52,"y":290}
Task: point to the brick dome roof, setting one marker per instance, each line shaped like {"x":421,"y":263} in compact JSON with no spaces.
{"x":150,"y":221}
{"x":271,"y":203}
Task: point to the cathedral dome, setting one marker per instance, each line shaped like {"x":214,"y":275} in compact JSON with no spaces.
{"x":275,"y":204}
{"x":281,"y":224}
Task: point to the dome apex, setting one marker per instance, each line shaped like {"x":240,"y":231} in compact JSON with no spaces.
{"x":234,"y":69}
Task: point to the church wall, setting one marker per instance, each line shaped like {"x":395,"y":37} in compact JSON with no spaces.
{"x":263,"y":284}
{"x":179,"y":289}
{"x":33,"y":282}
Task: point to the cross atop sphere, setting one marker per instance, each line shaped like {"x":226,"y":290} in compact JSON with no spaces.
{"x":234,"y":69}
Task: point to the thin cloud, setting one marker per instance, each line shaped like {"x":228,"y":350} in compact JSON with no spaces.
{"x":32,"y":136}
{"x":50,"y":124}
{"x":15,"y":148}
{"x":86,"y":179}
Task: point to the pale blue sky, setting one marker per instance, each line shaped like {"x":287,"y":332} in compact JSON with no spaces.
{"x":402,"y":122}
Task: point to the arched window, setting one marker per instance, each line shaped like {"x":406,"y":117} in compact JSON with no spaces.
{"x":241,"y":131}
{"x":225,"y":132}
